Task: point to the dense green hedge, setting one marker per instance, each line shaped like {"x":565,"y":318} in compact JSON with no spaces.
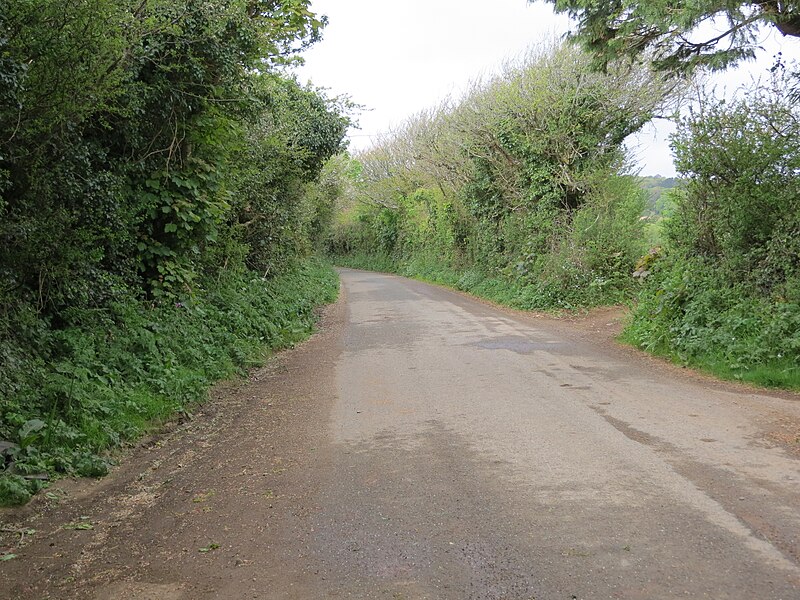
{"x":522,"y":181}
{"x":158,"y":164}
{"x":726,"y":297}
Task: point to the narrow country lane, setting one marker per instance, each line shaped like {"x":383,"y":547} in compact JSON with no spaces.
{"x":427,"y":445}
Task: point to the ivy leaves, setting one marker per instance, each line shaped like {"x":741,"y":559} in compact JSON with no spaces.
{"x":185,"y":209}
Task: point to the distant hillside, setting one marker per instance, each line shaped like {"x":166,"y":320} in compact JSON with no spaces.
{"x":655,"y":185}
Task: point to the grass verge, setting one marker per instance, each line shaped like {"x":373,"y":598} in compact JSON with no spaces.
{"x":690,"y":313}
{"x":776,"y":373}
{"x":111,"y":375}
{"x":556,"y":295}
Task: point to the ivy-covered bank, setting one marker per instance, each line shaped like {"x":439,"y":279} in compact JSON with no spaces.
{"x":75,"y":393}
{"x":726,"y":295}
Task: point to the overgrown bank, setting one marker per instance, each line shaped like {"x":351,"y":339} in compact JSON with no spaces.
{"x":726,"y":295}
{"x":114,"y":374}
{"x":158,"y":206}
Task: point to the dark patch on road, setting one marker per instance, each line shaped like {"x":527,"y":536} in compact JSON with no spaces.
{"x":635,"y":434}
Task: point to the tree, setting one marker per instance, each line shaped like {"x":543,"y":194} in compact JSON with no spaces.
{"x":297,"y":130}
{"x":118,"y":123}
{"x":677,"y":34}
{"x":741,"y":204}
{"x":518,"y":179}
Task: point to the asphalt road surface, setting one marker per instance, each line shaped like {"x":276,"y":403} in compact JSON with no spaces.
{"x":428,"y":445}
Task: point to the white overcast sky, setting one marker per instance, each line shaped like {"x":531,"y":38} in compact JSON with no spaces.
{"x":397,"y":58}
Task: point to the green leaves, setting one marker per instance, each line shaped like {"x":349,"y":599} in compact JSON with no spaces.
{"x":519,"y":181}
{"x":128,"y":162}
{"x":148,"y":150}
{"x":726,"y":297}
{"x":30,"y":430}
{"x":671,"y":34}
{"x":742,"y":158}
{"x":14,"y":490}
{"x":286,"y":150}
{"x":129,"y":367}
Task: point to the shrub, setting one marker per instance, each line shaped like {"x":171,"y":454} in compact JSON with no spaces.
{"x":520,"y":181}
{"x":726,"y":296}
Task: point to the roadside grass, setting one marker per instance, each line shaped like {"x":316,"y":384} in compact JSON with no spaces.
{"x":778,"y":374}
{"x":110,"y":376}
{"x":688,"y":311}
{"x":554,"y":296}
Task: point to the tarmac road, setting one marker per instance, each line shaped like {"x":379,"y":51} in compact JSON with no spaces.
{"x":428,"y":445}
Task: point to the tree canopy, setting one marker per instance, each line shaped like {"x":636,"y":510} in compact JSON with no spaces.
{"x":124,"y":129}
{"x":679,"y":36}
{"x":519,"y":181}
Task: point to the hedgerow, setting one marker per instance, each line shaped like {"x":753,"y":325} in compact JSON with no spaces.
{"x":727,"y":295}
{"x":522,"y":181}
{"x":156,"y":167}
